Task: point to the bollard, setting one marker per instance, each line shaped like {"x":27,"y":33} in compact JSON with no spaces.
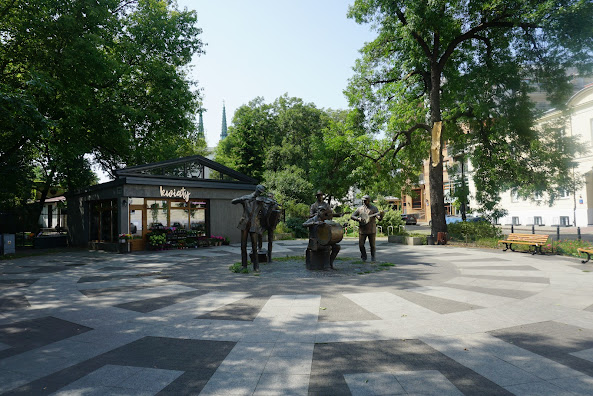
{"x":557,"y":233}
{"x":512,"y":228}
{"x":390,"y":230}
{"x":533,"y":229}
{"x":579,"y":233}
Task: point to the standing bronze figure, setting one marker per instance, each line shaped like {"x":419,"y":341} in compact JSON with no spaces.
{"x":269,"y":219}
{"x":367,"y":216}
{"x":250,"y":223}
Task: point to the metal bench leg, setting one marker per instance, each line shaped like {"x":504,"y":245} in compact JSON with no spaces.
{"x":507,"y":247}
{"x":588,"y":258}
{"x":511,"y":247}
{"x":534,"y":250}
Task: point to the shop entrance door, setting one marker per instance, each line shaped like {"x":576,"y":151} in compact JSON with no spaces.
{"x":138,"y":227}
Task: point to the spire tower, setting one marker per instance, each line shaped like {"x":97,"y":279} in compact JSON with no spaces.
{"x":223,"y":132}
{"x":201,"y":134}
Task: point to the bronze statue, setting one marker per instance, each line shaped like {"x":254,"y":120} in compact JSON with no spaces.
{"x":250,"y":223}
{"x":324,"y":235}
{"x":269,"y":219}
{"x":367,"y":216}
{"x":318,"y":204}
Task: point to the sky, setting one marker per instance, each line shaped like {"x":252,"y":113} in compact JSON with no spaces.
{"x":267,"y":48}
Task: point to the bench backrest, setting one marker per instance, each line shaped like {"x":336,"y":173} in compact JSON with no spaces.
{"x":535,"y":238}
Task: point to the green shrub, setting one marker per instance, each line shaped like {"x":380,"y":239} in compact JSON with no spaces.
{"x":392,"y":218}
{"x":471,"y":231}
{"x":567,"y":247}
{"x":295,"y":224}
{"x":282,"y":228}
{"x":296,"y":210}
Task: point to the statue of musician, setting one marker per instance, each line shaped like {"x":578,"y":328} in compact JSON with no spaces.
{"x":367,"y":216}
{"x":269,"y":219}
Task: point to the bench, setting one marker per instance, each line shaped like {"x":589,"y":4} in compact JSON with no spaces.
{"x":588,"y":252}
{"x":535,"y":240}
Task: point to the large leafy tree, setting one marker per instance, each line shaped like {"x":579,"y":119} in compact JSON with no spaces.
{"x":460,"y":72}
{"x":94,"y":79}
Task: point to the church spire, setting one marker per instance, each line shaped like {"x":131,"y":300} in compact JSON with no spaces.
{"x":223,"y":132}
{"x":201,"y":134}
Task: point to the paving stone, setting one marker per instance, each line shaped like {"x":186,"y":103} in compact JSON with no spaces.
{"x":271,"y":327}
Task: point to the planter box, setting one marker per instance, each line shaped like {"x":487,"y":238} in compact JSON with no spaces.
{"x":414,"y":240}
{"x":396,"y":239}
{"x":282,"y":236}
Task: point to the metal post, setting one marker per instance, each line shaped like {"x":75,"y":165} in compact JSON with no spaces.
{"x":557,"y":233}
{"x":532,"y":229}
{"x":512,"y":228}
{"x":579,"y":233}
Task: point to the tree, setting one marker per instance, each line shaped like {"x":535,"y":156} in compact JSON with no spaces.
{"x":461,"y":71}
{"x":95,"y":79}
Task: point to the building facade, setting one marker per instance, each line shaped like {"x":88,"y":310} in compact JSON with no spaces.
{"x":574,"y":207}
{"x":192,"y":193}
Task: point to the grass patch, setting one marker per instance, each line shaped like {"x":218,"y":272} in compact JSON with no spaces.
{"x":386,"y":265}
{"x":238,"y":268}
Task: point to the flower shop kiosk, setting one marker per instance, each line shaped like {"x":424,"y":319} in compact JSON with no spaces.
{"x":186,"y":200}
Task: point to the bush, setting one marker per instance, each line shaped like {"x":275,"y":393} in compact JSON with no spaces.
{"x":391,"y":218}
{"x":296,"y":210}
{"x":295,"y":224}
{"x":568,"y":247}
{"x":471,"y":231}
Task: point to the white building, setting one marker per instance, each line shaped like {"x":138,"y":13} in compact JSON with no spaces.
{"x":574,"y":208}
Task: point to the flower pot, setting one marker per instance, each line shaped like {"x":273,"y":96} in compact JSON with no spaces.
{"x":124,"y":247}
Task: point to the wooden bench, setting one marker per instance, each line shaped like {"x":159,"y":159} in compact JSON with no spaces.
{"x":588,"y":252}
{"x":535,"y":240}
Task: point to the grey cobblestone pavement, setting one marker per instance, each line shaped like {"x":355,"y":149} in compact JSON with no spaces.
{"x":443,"y":321}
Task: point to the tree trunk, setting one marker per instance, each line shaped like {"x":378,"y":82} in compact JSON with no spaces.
{"x":435,"y":173}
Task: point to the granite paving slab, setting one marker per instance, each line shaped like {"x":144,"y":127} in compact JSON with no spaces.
{"x":422,"y":320}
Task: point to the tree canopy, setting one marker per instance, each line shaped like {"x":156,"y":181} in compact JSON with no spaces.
{"x":460,"y":72}
{"x":93,"y":80}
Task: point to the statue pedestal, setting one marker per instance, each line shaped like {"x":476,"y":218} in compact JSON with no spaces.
{"x":262,"y":256}
{"x":318,"y":259}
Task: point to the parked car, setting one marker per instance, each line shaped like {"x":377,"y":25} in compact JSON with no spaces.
{"x":409,"y":219}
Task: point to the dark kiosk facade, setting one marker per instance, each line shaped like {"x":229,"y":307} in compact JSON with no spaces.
{"x":192,"y":194}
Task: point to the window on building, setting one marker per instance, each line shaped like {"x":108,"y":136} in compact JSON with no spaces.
{"x":514,"y":195}
{"x":417,"y":198}
{"x":564,"y":220}
{"x":537,"y":220}
{"x":564,"y":193}
{"x":538,"y":196}
{"x":516,"y":220}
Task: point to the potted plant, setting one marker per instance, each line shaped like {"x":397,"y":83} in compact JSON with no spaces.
{"x":124,"y":243}
{"x":157,"y":241}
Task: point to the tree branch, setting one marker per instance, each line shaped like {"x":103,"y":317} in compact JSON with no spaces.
{"x":420,"y":40}
{"x":473,"y":33}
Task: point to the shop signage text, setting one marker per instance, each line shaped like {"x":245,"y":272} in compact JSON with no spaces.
{"x":181,"y":193}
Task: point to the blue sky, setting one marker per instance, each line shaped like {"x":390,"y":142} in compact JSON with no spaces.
{"x":305,"y":48}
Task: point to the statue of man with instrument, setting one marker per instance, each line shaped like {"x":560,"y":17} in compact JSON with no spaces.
{"x":249,"y":224}
{"x":367,"y":216}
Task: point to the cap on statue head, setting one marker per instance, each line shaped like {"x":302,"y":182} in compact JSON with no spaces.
{"x":260,"y":188}
{"x":319,"y":192}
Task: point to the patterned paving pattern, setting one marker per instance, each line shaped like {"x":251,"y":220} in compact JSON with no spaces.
{"x":443,"y":321}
